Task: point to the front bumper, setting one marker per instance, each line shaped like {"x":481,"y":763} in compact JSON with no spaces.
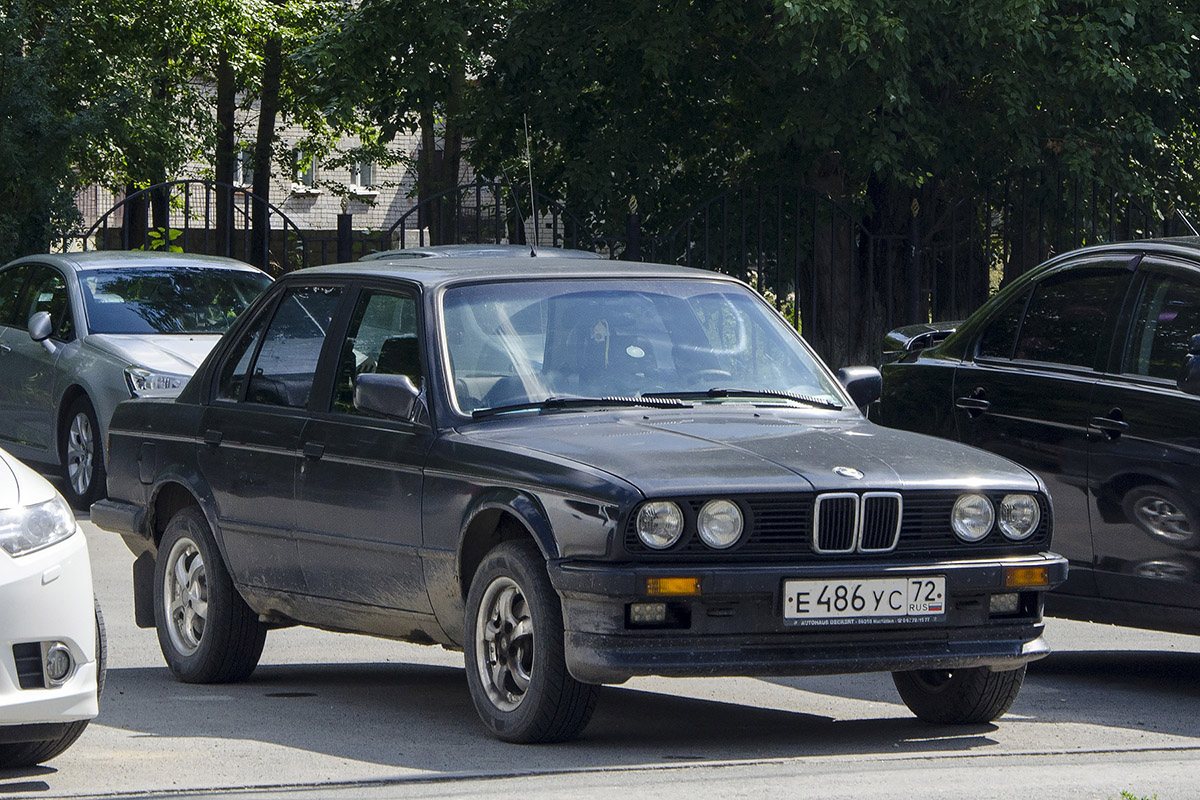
{"x":735,"y":626}
{"x":47,"y":597}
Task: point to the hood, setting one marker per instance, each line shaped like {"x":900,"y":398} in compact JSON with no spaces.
{"x":179,"y":354}
{"x":20,"y":485}
{"x":753,"y":450}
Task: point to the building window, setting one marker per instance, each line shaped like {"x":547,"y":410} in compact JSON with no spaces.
{"x":362,"y":174}
{"x":243,"y":167}
{"x":304,"y":173}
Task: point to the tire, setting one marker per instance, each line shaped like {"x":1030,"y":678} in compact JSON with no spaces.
{"x":1163,"y":514}
{"x":959,"y":696}
{"x":29,"y":754}
{"x":81,"y":454}
{"x":206,"y":631}
{"x":519,"y":683}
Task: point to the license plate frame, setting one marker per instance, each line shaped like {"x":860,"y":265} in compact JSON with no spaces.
{"x":864,"y":601}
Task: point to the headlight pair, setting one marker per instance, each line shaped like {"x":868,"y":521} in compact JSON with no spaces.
{"x":660,"y":524}
{"x":28,"y":528}
{"x":974,"y":515}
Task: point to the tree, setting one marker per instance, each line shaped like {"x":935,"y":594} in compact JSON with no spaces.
{"x":405,"y":66}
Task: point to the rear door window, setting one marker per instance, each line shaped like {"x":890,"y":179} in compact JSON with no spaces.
{"x":1166,"y":317}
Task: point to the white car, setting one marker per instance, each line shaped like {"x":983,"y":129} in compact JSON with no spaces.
{"x":52,"y":648}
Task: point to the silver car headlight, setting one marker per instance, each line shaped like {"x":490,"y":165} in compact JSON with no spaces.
{"x":720,"y":523}
{"x":972,"y":517}
{"x":1019,"y":515}
{"x":147,"y":383}
{"x":659,"y":524}
{"x":28,"y":528}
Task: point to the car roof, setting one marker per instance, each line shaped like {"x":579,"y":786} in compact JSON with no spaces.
{"x":1185,"y":246}
{"x":133,"y":259}
{"x":481,"y":251}
{"x":433,"y":272}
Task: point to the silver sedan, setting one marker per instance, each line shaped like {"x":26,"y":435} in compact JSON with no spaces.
{"x":80,"y":332}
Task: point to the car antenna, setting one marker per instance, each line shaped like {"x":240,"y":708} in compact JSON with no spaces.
{"x":532,"y":194}
{"x":1183,"y":217}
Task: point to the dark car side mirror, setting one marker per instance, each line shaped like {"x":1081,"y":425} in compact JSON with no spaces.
{"x":389,"y":395}
{"x":41,"y":328}
{"x":1189,"y":376}
{"x":865,"y":384}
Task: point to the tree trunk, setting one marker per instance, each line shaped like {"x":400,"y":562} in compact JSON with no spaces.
{"x":264,"y":147}
{"x":225,"y":154}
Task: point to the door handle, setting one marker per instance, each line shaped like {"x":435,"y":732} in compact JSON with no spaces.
{"x":5,"y":348}
{"x":975,"y":403}
{"x":313,"y":449}
{"x":1110,"y":426}
{"x":213,"y":437}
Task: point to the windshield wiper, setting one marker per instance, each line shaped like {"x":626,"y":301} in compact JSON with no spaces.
{"x":807,"y":400}
{"x":571,"y":401}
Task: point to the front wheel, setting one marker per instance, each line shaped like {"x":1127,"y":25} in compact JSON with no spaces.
{"x":959,"y":696}
{"x":81,"y":454}
{"x":206,"y":631}
{"x":516,"y":668}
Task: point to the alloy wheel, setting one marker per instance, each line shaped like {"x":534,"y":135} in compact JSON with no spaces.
{"x":504,"y":637}
{"x":185,"y":596}
{"x":1164,"y":519}
{"x":81,"y":449}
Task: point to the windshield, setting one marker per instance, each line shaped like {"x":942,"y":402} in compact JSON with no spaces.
{"x":178,"y":300}
{"x":529,"y":341}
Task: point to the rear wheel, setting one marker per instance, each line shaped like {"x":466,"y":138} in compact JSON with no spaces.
{"x":206,"y":631}
{"x":959,"y":696}
{"x":1163,"y":513}
{"x":516,"y":668}
{"x":81,"y":454}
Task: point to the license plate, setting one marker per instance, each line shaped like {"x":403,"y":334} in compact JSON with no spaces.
{"x":867,"y":600}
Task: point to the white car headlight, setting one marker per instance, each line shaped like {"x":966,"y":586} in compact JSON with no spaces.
{"x":659,"y":524}
{"x":147,"y":383}
{"x":28,"y":528}
{"x":972,"y":517}
{"x":1019,"y":516}
{"x":720,"y":523}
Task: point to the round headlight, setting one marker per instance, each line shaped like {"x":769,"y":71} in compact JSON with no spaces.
{"x":659,"y":524}
{"x":972,"y":517}
{"x":1019,"y":516}
{"x":720,"y":523}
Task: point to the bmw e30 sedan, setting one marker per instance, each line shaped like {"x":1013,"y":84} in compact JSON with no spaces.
{"x":576,"y":471}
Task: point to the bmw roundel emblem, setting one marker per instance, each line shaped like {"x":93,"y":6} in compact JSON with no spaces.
{"x":849,"y":472}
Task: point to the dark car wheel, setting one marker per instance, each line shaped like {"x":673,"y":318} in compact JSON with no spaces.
{"x":959,"y":696}
{"x":205,"y":629}
{"x":81,"y":454}
{"x":1163,"y":513}
{"x":516,"y":669}
{"x":28,"y":754}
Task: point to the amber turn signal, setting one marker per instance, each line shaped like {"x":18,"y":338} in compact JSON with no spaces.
{"x":672,"y":586}
{"x":1026,"y":576}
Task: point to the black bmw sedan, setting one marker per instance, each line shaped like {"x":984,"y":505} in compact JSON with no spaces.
{"x":576,"y":471}
{"x":1087,"y":371}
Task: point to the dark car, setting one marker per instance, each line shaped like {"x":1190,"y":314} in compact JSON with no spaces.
{"x":576,"y":472}
{"x":1085,"y":370}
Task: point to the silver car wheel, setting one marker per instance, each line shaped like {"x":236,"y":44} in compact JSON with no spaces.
{"x":504,"y":644}
{"x":1163,"y":518}
{"x":185,"y":596}
{"x":81,"y":447}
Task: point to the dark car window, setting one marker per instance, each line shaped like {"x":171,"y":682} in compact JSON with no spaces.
{"x":382,"y":338}
{"x":287,"y":360}
{"x":47,"y":291}
{"x":11,"y":281}
{"x":1000,"y":336}
{"x":1066,"y":317}
{"x":237,"y":363}
{"x":1167,"y":316}
{"x":179,"y":300}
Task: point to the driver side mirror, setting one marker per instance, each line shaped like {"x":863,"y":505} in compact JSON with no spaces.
{"x":388,"y":395}
{"x":41,"y":328}
{"x":865,"y":384}
{"x":1189,"y":376}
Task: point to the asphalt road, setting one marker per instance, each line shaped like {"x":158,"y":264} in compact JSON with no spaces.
{"x":332,"y":715}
